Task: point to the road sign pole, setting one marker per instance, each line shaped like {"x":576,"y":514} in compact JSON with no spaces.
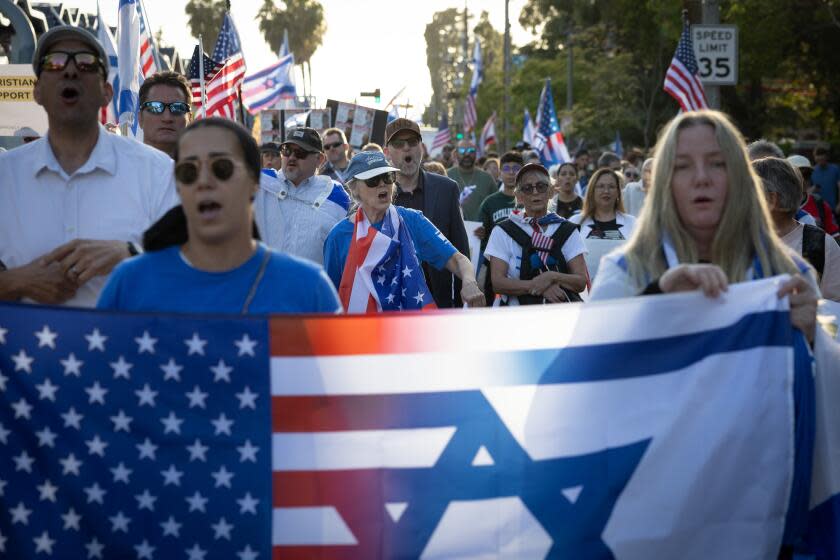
{"x":711,"y":15}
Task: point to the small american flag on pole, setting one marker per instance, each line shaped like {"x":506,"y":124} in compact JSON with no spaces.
{"x":470,"y":114}
{"x":443,"y":135}
{"x":682,"y":81}
{"x":147,"y":53}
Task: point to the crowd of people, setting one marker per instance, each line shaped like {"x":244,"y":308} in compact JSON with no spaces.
{"x":198,"y":217}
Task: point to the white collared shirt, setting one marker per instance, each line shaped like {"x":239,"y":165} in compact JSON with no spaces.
{"x":121,"y":190}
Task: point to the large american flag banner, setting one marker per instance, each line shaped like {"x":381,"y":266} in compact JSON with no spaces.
{"x":682,"y":80}
{"x":222,"y":89}
{"x":442,"y":435}
{"x":548,"y":138}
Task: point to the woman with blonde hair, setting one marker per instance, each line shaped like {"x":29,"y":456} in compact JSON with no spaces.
{"x":602,"y":215}
{"x":705,"y":225}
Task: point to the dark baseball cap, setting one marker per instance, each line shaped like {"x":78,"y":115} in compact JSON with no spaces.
{"x":305,"y":137}
{"x":528,"y":168}
{"x":270,"y":147}
{"x":67,"y":32}
{"x":398,"y":125}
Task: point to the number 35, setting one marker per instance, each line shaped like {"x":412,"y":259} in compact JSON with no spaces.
{"x":721,"y":67}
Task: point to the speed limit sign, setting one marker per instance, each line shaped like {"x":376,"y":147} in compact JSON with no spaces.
{"x":716,"y":51}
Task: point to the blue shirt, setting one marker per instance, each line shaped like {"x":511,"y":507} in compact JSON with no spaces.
{"x":430,"y":244}
{"x":826,"y":178}
{"x":164,"y":281}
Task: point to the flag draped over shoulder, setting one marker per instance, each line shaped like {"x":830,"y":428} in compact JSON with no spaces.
{"x":669,"y":435}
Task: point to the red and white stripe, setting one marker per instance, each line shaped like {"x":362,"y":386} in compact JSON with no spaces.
{"x":441,"y":139}
{"x":223,"y":88}
{"x":470,"y":116}
{"x":488,"y":133}
{"x":685,"y":87}
{"x":367,"y":250}
{"x":147,"y":59}
{"x":542,"y":242}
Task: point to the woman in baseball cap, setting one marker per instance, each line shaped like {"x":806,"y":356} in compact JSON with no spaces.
{"x":373,"y":257}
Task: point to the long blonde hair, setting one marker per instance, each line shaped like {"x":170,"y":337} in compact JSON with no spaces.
{"x":745,"y":229}
{"x":588,"y":209}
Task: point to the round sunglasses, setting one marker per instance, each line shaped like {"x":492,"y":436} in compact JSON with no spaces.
{"x":222,"y":168}
{"x":176,"y":108}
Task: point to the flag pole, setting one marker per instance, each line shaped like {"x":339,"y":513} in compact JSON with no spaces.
{"x":201,"y":77}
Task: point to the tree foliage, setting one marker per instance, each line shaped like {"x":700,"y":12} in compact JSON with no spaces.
{"x":444,"y":54}
{"x":303,"y":19}
{"x":205,"y":19}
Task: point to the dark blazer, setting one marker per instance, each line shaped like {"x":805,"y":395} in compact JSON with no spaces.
{"x":441,"y":206}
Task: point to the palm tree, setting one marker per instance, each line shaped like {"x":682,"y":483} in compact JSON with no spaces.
{"x":304,"y":20}
{"x":205,"y":19}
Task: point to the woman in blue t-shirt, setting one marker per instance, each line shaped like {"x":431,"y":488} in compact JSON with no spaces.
{"x":374,"y":256}
{"x":202,"y":255}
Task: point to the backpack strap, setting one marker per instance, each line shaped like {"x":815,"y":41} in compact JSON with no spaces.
{"x":813,"y":247}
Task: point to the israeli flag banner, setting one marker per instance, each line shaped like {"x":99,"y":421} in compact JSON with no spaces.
{"x":128,"y":44}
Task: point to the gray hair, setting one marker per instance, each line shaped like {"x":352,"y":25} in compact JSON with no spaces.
{"x":779,"y":176}
{"x":762,"y":148}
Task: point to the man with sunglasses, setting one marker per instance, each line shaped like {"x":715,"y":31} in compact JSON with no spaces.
{"x":295,"y":209}
{"x":76,"y":202}
{"x":335,"y":148}
{"x":475,"y":184}
{"x":164,"y":109}
{"x":434,"y":195}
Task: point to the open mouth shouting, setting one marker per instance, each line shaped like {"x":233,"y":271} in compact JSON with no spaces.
{"x":69,"y":94}
{"x":209,"y":210}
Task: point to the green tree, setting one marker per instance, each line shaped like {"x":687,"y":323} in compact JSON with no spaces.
{"x":205,"y":19}
{"x":304,"y":21}
{"x":444,"y":55}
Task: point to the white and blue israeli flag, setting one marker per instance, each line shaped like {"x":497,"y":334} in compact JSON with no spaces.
{"x":128,"y":95}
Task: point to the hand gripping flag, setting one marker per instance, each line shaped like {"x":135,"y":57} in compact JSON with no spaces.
{"x":382,"y":272}
{"x":682,"y":80}
{"x":548,"y":140}
{"x":670,"y":435}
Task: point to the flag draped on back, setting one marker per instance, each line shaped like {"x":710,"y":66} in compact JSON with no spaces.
{"x":128,"y":33}
{"x":488,"y":134}
{"x":528,"y":131}
{"x":223,"y":87}
{"x":408,"y":435}
{"x":442,"y":137}
{"x":682,"y":81}
{"x":263,"y":89}
{"x":548,"y":139}
{"x":470,"y":115}
{"x":109,"y":112}
{"x":382,"y":272}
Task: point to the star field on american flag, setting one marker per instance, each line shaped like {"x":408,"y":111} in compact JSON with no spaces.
{"x":133,"y":437}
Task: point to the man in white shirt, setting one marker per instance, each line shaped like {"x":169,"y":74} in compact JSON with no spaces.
{"x":76,"y":202}
{"x":295,"y":209}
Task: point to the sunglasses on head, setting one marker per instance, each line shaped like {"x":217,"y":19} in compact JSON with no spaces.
{"x":466,"y":150}
{"x":177,"y":108}
{"x":388,"y":178}
{"x":333,"y":145}
{"x":56,"y":61}
{"x":538,"y":187}
{"x":222,"y":168}
{"x":403,"y":142}
{"x":287,"y":151}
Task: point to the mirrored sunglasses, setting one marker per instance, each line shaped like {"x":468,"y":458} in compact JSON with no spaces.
{"x":388,"y":178}
{"x":222,"y":168}
{"x":177,"y":108}
{"x":538,"y":187}
{"x":57,"y":61}
{"x":466,"y":150}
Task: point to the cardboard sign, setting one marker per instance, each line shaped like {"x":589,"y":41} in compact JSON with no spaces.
{"x":17,"y":104}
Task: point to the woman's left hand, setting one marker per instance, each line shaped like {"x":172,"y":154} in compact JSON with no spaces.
{"x":471,"y":295}
{"x":803,"y":305}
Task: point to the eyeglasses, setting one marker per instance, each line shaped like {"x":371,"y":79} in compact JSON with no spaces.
{"x":177,"y":108}
{"x":538,"y":187}
{"x":466,"y":150}
{"x":287,"y":151}
{"x":387,"y":178}
{"x":511,"y":168}
{"x":403,"y":142}
{"x":333,"y":145}
{"x":57,"y":61}
{"x":222,"y":168}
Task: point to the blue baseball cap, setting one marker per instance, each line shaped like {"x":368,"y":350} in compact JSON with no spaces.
{"x":365,"y":165}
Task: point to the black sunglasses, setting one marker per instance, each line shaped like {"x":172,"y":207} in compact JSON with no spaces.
{"x":177,"y":108}
{"x":388,"y":178}
{"x":333,"y":145}
{"x":401,"y":143}
{"x":187,"y":171}
{"x":287,"y":151}
{"x":538,"y":187}
{"x":57,"y":61}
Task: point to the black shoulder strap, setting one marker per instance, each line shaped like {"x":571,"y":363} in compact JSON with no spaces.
{"x":813,"y":247}
{"x":515,"y":232}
